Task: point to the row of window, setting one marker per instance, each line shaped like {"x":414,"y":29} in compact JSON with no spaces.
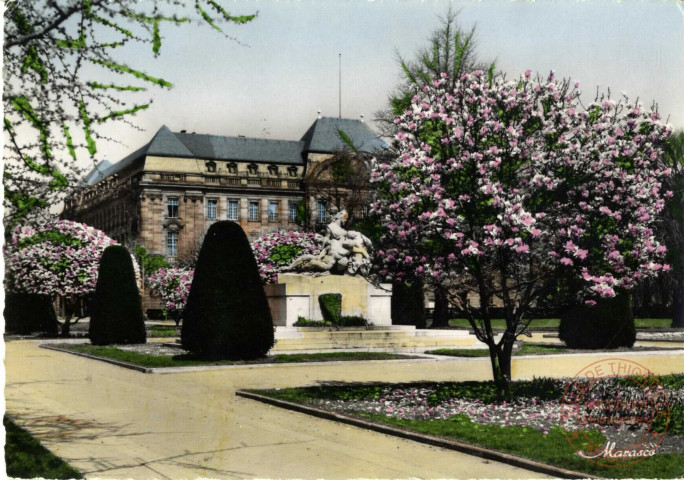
{"x":212,"y":213}
{"x":234,"y":208}
{"x":252,"y":168}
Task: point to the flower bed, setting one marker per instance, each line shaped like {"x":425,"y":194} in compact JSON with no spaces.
{"x":527,"y":425}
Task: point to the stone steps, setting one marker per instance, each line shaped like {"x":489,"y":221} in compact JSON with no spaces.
{"x":289,"y":340}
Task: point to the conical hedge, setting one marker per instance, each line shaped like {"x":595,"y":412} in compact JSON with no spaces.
{"x":116,"y":315}
{"x":608,"y":324}
{"x":27,"y":313}
{"x":227,"y":315}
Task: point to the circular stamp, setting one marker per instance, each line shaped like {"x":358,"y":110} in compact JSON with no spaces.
{"x":615,"y":412}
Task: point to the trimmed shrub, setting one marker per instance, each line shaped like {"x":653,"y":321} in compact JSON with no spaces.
{"x":408,"y":304}
{"x":353,"y":321}
{"x":227,"y":315}
{"x":116,"y":315}
{"x":608,"y":324}
{"x":27,"y":313}
{"x":305,"y":322}
{"x":331,"y":307}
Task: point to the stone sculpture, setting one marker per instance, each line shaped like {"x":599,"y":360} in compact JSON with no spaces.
{"x":343,"y":252}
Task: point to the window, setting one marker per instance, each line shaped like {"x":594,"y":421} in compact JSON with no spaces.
{"x":211,"y":167}
{"x":232,"y":167}
{"x":254,"y":211}
{"x":172,"y":244}
{"x":253,"y":168}
{"x":212,"y":207}
{"x":232,"y":209}
{"x":293,"y":211}
{"x":322,"y":211}
{"x":273,"y":169}
{"x":292,"y":171}
{"x":172,"y":207}
{"x":273,"y":211}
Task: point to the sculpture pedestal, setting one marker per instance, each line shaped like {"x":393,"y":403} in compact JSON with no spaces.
{"x":296,"y":296}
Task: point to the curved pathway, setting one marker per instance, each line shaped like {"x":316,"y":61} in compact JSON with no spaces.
{"x":111,"y":422}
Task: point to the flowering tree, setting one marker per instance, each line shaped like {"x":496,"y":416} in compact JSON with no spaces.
{"x":59,"y":259}
{"x":173,"y":286}
{"x":501,"y":187}
{"x":65,"y":76}
{"x":274,"y":251}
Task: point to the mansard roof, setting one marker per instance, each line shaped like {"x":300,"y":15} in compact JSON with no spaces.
{"x":323,"y":136}
{"x":258,"y":150}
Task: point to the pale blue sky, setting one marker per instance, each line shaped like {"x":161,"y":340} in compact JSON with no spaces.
{"x":289,"y":69}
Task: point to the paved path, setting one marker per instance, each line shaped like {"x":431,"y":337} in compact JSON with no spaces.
{"x":111,"y":422}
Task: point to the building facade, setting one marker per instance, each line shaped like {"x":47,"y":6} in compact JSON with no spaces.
{"x":166,"y":194}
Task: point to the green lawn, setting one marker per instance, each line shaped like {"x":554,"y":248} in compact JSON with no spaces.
{"x":159,"y":361}
{"x":26,"y":458}
{"x":163,"y":331}
{"x":552,"y":448}
{"x":500,"y":323}
{"x":652,"y":322}
{"x":525,"y":349}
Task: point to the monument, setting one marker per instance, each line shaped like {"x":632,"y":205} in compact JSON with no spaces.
{"x":341,"y":267}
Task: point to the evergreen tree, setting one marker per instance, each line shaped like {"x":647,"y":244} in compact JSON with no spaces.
{"x":27,"y":313}
{"x":608,"y":324}
{"x":227,"y":315}
{"x":673,"y":224}
{"x":116,"y":315}
{"x":408,"y":304}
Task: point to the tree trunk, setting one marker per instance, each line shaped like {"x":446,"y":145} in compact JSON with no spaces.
{"x":177,"y":318}
{"x":500,"y":357}
{"x":70,"y":306}
{"x":440,"y":315}
{"x":678,"y":305}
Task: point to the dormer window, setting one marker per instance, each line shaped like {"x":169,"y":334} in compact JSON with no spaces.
{"x":211,"y":166}
{"x":232,"y":167}
{"x":273,"y":169}
{"x":252,"y":168}
{"x":292,"y":171}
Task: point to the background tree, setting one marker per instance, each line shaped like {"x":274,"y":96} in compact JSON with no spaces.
{"x":227,"y":315}
{"x":116,"y":315}
{"x":58,"y":259}
{"x":450,"y":49}
{"x":674,"y":224}
{"x":503,"y":187}
{"x":148,"y":262}
{"x":53,"y":103}
{"x":343,"y":182}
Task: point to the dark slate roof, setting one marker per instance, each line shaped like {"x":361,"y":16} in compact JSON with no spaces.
{"x":97,"y":173}
{"x":241,"y":148}
{"x":121,"y":164}
{"x":323,"y":136}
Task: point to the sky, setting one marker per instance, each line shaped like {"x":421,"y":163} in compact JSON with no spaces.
{"x":285,"y":67}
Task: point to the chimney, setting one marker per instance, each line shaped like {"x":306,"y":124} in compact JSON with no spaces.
{"x":319,"y":114}
{"x":362,"y":118}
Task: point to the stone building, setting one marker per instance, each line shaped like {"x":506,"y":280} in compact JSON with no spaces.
{"x":166,"y":194}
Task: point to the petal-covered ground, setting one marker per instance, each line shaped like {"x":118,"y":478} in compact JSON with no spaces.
{"x":625,"y":413}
